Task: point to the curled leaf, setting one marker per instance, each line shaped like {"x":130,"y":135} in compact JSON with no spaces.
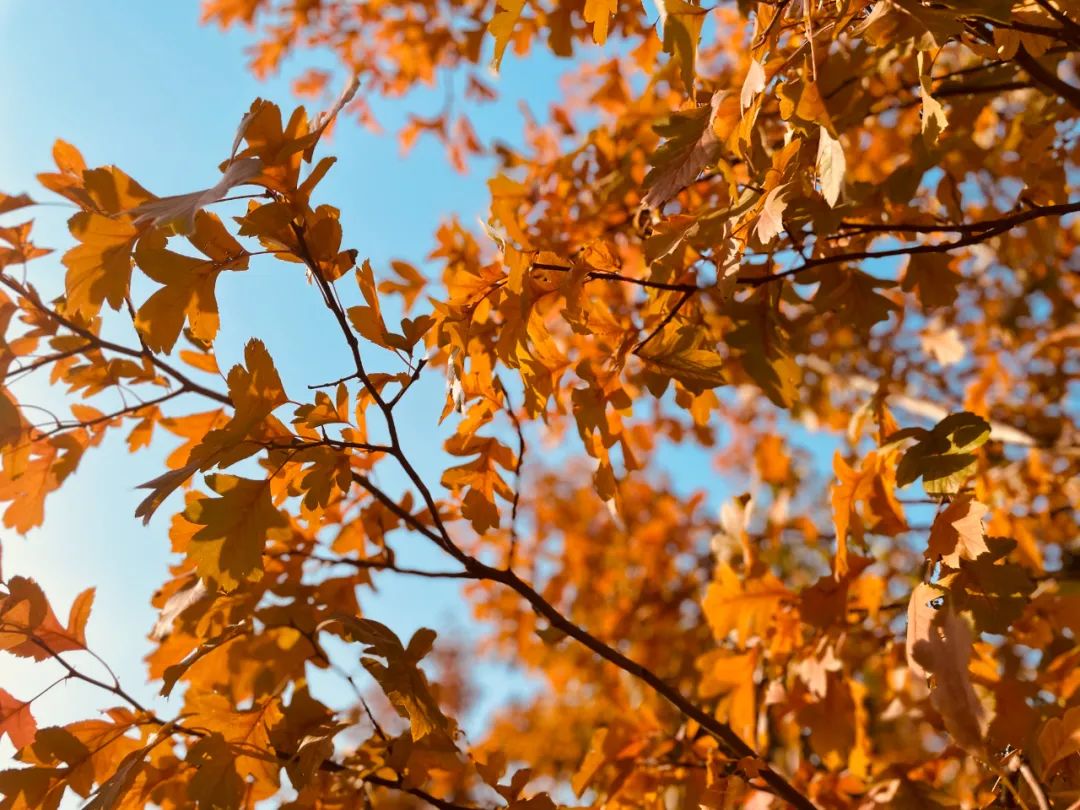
{"x":178,"y":211}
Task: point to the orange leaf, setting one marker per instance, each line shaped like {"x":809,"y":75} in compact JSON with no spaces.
{"x":939,"y":644}
{"x":10,"y":202}
{"x":16,"y":720}
{"x":32,"y":629}
{"x":746,"y":608}
{"x":228,"y":549}
{"x":99,"y":268}
{"x":957,"y":532}
{"x":1059,"y":739}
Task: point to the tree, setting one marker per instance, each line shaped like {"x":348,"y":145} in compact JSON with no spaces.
{"x":747,"y":221}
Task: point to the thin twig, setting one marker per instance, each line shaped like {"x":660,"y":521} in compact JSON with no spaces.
{"x":512,"y":551}
{"x":686,"y":296}
{"x":101,"y":343}
{"x":334,"y":383}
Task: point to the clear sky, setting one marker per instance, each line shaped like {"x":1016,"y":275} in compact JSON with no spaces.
{"x":144,"y":86}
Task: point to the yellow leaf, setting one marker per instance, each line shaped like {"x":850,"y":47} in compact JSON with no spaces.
{"x":731,"y":677}
{"x":934,"y":120}
{"x":246,"y":734}
{"x":682,"y":31}
{"x":502,"y":26}
{"x":697,"y":369}
{"x":189,"y":289}
{"x":597,"y":12}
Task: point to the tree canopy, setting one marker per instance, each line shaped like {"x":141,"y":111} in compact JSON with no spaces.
{"x":745,"y":226}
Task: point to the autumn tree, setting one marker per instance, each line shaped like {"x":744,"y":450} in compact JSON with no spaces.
{"x":751,"y":230}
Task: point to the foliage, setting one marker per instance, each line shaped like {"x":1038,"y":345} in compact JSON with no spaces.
{"x":747,"y":220}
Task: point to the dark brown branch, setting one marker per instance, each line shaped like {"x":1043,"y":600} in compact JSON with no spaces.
{"x":440,"y":535}
{"x":150,"y":403}
{"x":337,"y":444}
{"x":412,"y":379}
{"x":44,"y":361}
{"x":1063,"y":34}
{"x":434,"y":801}
{"x":387,"y":410}
{"x":975,"y":232}
{"x":722,"y":731}
{"x":1002,"y":225}
{"x":1033,"y":67}
{"x":380,"y":565}
{"x":342,"y":319}
{"x":609,"y":276}
{"x":1058,"y":14}
{"x":114,"y":688}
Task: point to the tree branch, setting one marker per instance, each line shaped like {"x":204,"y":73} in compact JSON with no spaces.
{"x":100,"y":342}
{"x":1002,"y":225}
{"x":731,"y":741}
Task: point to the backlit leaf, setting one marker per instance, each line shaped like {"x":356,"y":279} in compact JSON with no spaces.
{"x":228,"y":548}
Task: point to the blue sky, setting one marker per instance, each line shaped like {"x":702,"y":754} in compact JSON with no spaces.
{"x":144,"y":86}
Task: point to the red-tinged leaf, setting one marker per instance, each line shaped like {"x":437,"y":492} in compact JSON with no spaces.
{"x":16,"y":720}
{"x":31,"y":629}
{"x":13,"y":202}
